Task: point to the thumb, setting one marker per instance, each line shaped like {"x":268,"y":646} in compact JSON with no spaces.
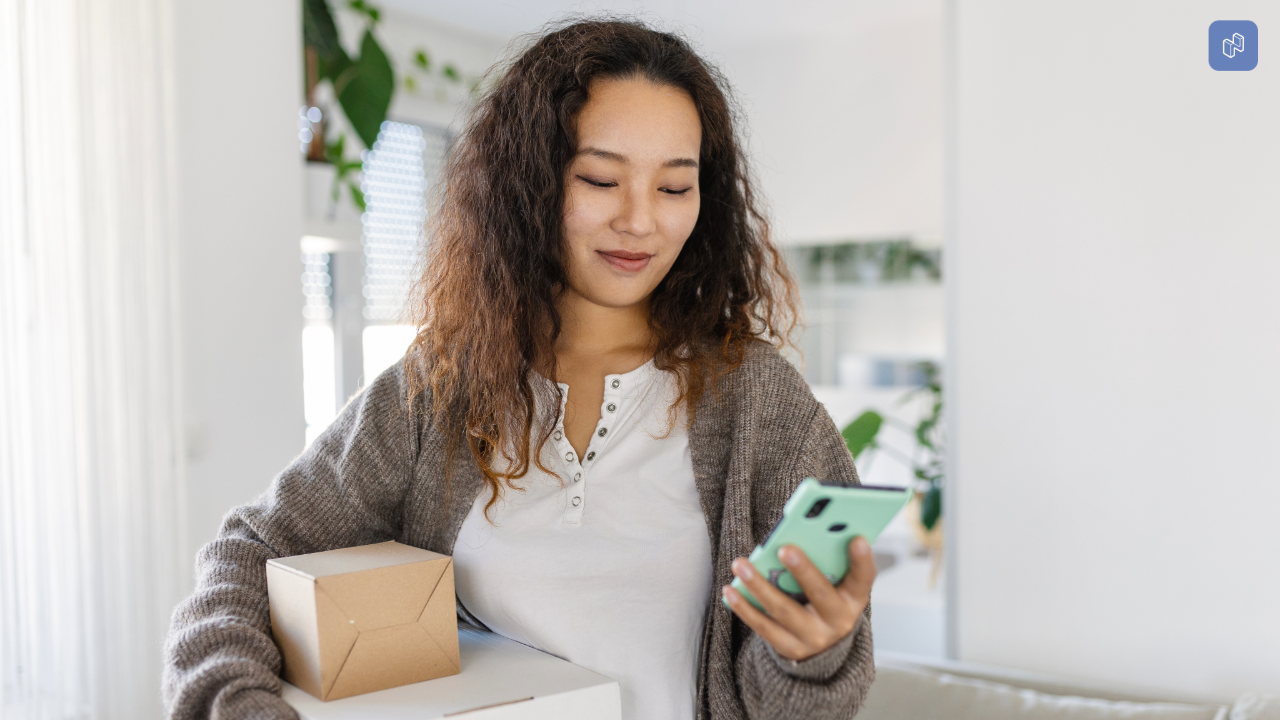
{"x":862,"y":571}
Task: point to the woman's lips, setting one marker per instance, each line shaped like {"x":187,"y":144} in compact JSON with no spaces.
{"x":623,"y":260}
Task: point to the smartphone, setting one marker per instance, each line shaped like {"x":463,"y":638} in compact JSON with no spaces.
{"x":822,"y":519}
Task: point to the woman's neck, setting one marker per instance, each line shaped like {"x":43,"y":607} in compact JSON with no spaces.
{"x":611,"y":335}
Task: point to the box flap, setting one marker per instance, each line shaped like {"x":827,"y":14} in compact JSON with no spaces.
{"x":337,"y":634}
{"x":440,"y":617}
{"x":391,"y":657}
{"x":385,"y":596}
{"x":353,"y":559}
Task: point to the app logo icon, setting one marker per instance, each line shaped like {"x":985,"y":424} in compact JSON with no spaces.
{"x":1233,"y":45}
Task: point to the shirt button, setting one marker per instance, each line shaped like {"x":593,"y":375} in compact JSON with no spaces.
{"x":577,"y":477}
{"x":577,"y":501}
{"x":602,"y":432}
{"x":616,"y":384}
{"x":611,"y":407}
{"x":591,"y":456}
{"x":558,"y":435}
{"x":568,"y":456}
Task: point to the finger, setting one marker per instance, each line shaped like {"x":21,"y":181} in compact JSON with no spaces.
{"x":781,"y":609}
{"x":832,"y":606}
{"x":784,"y":643}
{"x":862,"y":573}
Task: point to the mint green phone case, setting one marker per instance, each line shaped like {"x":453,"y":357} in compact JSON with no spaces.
{"x":823,"y":530}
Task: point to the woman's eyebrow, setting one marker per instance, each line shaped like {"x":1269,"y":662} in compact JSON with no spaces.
{"x":681,"y":162}
{"x":618,"y":158}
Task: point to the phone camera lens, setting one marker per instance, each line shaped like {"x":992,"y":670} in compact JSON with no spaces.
{"x":816,"y":509}
{"x":837,"y":527}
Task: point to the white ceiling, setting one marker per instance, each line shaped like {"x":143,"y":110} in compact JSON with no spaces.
{"x":715,"y":22}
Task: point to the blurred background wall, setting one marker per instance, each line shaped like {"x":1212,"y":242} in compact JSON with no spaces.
{"x":237,"y":75}
{"x":1113,"y":310}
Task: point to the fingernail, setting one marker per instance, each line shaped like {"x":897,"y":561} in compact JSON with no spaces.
{"x":731,"y":597}
{"x":743,"y":570}
{"x":861,"y":546}
{"x":788,"y":556}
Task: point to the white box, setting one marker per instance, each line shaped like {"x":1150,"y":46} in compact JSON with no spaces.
{"x":500,"y":680}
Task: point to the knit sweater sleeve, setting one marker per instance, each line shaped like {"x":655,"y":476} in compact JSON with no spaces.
{"x":833,"y":684}
{"x":347,"y":489}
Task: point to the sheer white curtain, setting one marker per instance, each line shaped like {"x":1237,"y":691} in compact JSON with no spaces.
{"x":91,"y":561}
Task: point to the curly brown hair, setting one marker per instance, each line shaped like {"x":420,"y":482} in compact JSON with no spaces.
{"x":485,"y":301}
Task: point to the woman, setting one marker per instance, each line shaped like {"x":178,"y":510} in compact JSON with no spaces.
{"x":596,"y":227}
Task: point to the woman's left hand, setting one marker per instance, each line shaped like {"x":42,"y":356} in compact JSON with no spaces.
{"x":796,"y":631}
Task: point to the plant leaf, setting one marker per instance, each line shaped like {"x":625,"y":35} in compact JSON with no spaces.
{"x":923,"y":429}
{"x":334,"y":151}
{"x":931,"y":507}
{"x":320,"y":34}
{"x":333,"y":154}
{"x":365,"y":90}
{"x":451,"y":73}
{"x":357,"y":195}
{"x":861,"y":433}
{"x":422,"y":59}
{"x":364,"y":8}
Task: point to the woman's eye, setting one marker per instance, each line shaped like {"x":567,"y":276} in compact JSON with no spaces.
{"x":670,"y":191}
{"x":597,"y":183}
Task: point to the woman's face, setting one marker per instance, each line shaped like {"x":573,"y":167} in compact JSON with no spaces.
{"x":631,"y":193}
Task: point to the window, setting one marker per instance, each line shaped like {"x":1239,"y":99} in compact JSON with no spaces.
{"x":318,"y":386}
{"x":399,"y":173}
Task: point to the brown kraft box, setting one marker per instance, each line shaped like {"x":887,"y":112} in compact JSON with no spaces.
{"x":366,"y":618}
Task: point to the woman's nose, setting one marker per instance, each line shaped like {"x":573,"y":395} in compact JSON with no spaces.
{"x":637,"y":215}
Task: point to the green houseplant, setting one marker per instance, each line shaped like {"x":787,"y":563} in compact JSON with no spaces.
{"x":927,"y":465}
{"x":362,"y":84}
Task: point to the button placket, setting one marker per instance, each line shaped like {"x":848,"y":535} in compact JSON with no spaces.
{"x":613,"y":388}
{"x":616,"y":388}
{"x":573,"y":491}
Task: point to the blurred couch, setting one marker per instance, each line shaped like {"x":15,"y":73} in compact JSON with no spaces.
{"x":913,"y":688}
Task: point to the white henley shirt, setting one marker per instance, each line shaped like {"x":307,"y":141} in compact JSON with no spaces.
{"x":607,"y":562}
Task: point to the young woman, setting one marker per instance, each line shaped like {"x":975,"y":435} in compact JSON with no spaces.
{"x":594,"y":420}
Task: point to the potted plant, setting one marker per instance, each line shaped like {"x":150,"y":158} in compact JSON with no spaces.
{"x":926,"y":464}
{"x":362,"y":86}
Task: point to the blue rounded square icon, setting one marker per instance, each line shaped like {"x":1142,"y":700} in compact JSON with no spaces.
{"x":1233,"y":45}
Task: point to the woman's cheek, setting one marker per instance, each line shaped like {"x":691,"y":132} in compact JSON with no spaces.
{"x":684,"y":222}
{"x":584,"y":216}
{"x":572,"y":214}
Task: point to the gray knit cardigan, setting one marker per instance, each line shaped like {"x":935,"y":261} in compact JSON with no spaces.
{"x":378,"y":474}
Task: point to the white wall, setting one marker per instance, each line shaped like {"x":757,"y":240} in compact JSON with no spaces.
{"x":843,"y":99}
{"x":402,"y":34}
{"x":239,"y":169}
{"x":845,"y":122}
{"x":1115,"y":353}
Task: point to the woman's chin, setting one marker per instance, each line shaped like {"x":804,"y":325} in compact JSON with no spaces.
{"x":617,"y":298}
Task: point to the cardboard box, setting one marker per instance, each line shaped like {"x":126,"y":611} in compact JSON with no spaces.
{"x":500,"y":680}
{"x":361,"y":619}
